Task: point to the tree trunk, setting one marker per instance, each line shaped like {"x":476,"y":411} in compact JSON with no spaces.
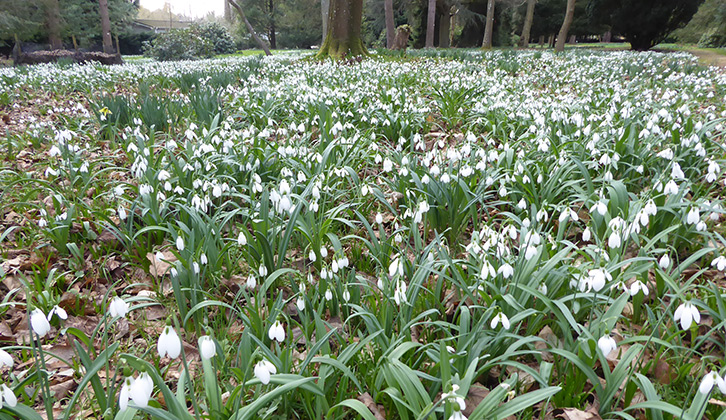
{"x":249,"y":27}
{"x":52,"y":15}
{"x":273,"y":38}
{"x":325,"y":11}
{"x":528,"y":18}
{"x":430,"y":24}
{"x":489,"y":29}
{"x":445,"y":29}
{"x":390,"y":25}
{"x":105,"y":26}
{"x":562,"y":36}
{"x":227,"y":12}
{"x":344,"y":26}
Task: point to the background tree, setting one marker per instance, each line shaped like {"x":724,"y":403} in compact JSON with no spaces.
{"x":707,"y":28}
{"x":565,"y":29}
{"x":105,"y":26}
{"x":430,"y":24}
{"x":644,"y":23}
{"x":251,"y":30}
{"x":527,"y":28}
{"x":53,"y":24}
{"x":390,"y":24}
{"x":489,"y":28}
{"x":344,"y":30}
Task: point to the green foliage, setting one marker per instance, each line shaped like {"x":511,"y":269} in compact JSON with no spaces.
{"x":179,"y":44}
{"x":707,"y":25}
{"x":218,"y":35}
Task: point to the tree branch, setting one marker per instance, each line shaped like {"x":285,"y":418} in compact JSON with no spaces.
{"x":251,"y":30}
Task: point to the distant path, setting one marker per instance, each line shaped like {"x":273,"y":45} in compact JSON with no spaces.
{"x":709,"y":58}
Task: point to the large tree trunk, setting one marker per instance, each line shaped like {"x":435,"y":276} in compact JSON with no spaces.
{"x":528,"y":18}
{"x":52,"y":16}
{"x":430,"y":24}
{"x":344,"y":26}
{"x":249,"y":27}
{"x":562,"y":36}
{"x":105,"y":26}
{"x":273,"y":38}
{"x":390,"y":25}
{"x":445,"y":29}
{"x":489,"y":28}
{"x":325,"y":11}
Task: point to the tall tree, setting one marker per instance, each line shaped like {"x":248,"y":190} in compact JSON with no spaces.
{"x":430,"y":23}
{"x":562,"y":36}
{"x":53,"y":24}
{"x":528,"y":18}
{"x":251,"y":30}
{"x":489,"y":28}
{"x":644,"y":23}
{"x":390,"y":25}
{"x":272,"y":37}
{"x":325,"y":11}
{"x":344,"y":30}
{"x":105,"y":26}
{"x":445,"y":26}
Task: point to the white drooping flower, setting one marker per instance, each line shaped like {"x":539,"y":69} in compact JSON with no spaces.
{"x":300,"y":303}
{"x":457,"y":401}
{"x":638,"y":286}
{"x":251,"y":282}
{"x":277,"y":332}
{"x":719,"y":262}
{"x":606,"y":344}
{"x":664,"y":262}
{"x":687,"y":313}
{"x":264,"y":370}
{"x":597,"y":278}
{"x":500,"y":317}
{"x":7,"y":395}
{"x":5,"y":359}
{"x":118,"y":307}
{"x":399,"y":295}
{"x":506,"y":270}
{"x":709,"y":380}
{"x":169,"y":343}
{"x":586,"y":234}
{"x":207,"y":349}
{"x":60,"y":312}
{"x":125,"y":395}
{"x":180,"y":243}
{"x":242,"y":239}
{"x":39,"y":322}
{"x":395,"y":268}
{"x":141,"y":389}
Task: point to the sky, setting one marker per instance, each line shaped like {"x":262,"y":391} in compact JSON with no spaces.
{"x":195,"y":8}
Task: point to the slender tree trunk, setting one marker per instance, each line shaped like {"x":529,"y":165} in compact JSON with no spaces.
{"x":250,"y":28}
{"x":562,"y":36}
{"x":105,"y":26}
{"x":528,"y":18}
{"x":344,"y":28}
{"x":273,"y":38}
{"x":227,"y":12}
{"x":445,"y":29}
{"x":489,"y":28}
{"x":325,"y":11}
{"x":52,"y":15}
{"x":430,"y":24}
{"x":390,"y":25}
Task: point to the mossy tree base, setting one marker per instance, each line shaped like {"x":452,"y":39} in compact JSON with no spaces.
{"x":343,"y":39}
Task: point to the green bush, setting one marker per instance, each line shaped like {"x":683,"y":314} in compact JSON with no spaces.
{"x":179,"y":44}
{"x":218,"y":35}
{"x":712,"y":38}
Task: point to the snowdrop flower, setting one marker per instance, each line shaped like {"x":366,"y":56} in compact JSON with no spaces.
{"x":586,"y":234}
{"x":169,"y":343}
{"x":207,"y":349}
{"x":379,"y":218}
{"x":180,"y":243}
{"x":264,"y":370}
{"x":600,"y":207}
{"x":614,"y":240}
{"x":530,"y":252}
{"x":387,"y":165}
{"x":719,"y":262}
{"x":597,"y":278}
{"x":694,"y":216}
{"x":709,"y":380}
{"x":125,"y":395}
{"x":506,"y":270}
{"x":324,"y":252}
{"x":457,"y":401}
{"x":242,"y":239}
{"x":118,"y":307}
{"x":670,"y":188}
{"x":500,"y":317}
{"x":60,"y":312}
{"x":141,"y":389}
{"x":311,"y":256}
{"x":5,"y":359}
{"x":638,"y":286}
{"x":277,"y":332}
{"x":300,"y":303}
{"x":399,"y":295}
{"x":7,"y":395}
{"x":39,"y":322}
{"x":328,"y":295}
{"x":263,"y":270}
{"x":251,"y":282}
{"x":395,"y":268}
{"x":606,"y":344}
{"x":346,"y":295}
{"x":687,"y":313}
{"x":664,"y":262}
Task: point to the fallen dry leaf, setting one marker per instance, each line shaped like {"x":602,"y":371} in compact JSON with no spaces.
{"x":575,"y":414}
{"x":376,"y":409}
